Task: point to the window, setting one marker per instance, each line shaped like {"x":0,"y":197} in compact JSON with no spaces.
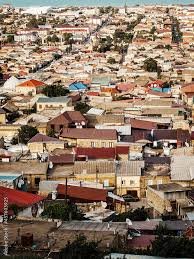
{"x":52,"y":126}
{"x":110,"y":144}
{"x":103,"y":144}
{"x":150,"y":182}
{"x":159,"y":182}
{"x":123,"y":182}
{"x":93,"y":144}
{"x":132,"y":182}
{"x":37,"y":180}
{"x":61,"y":126}
{"x":106,"y":183}
{"x":40,"y":106}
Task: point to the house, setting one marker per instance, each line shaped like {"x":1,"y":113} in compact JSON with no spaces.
{"x":89,"y":137}
{"x":33,"y":172}
{"x":77,"y":86}
{"x":85,"y":154}
{"x":10,"y":84}
{"x":61,"y":103}
{"x":29,"y":205}
{"x":26,"y":37}
{"x":82,"y":194}
{"x":128,"y":177}
{"x":182,"y":170}
{"x":10,"y":180}
{"x":102,"y":172}
{"x":155,"y":84}
{"x":41,"y":143}
{"x":188,"y":93}
{"x":163,"y":198}
{"x":30,"y":87}
{"x":142,"y":124}
{"x":68,"y":119}
{"x":2,"y":116}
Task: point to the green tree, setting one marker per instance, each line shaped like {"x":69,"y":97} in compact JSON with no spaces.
{"x":10,"y":38}
{"x":111,"y":60}
{"x":51,"y":133}
{"x":169,"y":246}
{"x":54,"y":38}
{"x":82,"y":107}
{"x":25,"y":133}
{"x":68,"y":38}
{"x":80,"y":248}
{"x":55,"y":90}
{"x":12,"y":116}
{"x":150,"y":65}
{"x":139,"y":214}
{"x":63,"y":211}
{"x":33,"y":23}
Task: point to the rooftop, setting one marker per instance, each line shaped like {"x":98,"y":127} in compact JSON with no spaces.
{"x":60,"y":99}
{"x":89,"y":133}
{"x":170,"y":187}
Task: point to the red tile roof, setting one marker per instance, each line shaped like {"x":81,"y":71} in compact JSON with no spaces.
{"x":31,"y":83}
{"x":67,"y":118}
{"x":19,"y":198}
{"x":142,"y":124}
{"x":159,"y":94}
{"x":188,"y":88}
{"x":42,"y":138}
{"x":122,"y":150}
{"x":89,"y":133}
{"x":126,"y":86}
{"x":62,"y":159}
{"x":83,"y":193}
{"x":96,"y":153}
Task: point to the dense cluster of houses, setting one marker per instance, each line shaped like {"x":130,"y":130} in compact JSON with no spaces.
{"x":119,"y":138}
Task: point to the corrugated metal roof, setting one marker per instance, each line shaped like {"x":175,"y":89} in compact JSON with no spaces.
{"x":182,"y":168}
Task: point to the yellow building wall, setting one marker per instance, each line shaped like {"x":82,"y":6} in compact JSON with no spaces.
{"x":130,"y":183}
{"x":42,"y":129}
{"x":145,"y":181}
{"x":100,"y":178}
{"x":2,"y":118}
{"x":157,"y":202}
{"x":89,"y":142}
{"x":39,"y":147}
{"x":32,"y":187}
{"x":123,"y":157}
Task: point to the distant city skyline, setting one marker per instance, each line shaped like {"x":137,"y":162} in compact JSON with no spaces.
{"x":28,"y":3}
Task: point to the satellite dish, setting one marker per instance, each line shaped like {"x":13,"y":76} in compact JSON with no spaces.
{"x":129,"y":222}
{"x":103,"y":204}
{"x":50,"y":165}
{"x":20,"y":183}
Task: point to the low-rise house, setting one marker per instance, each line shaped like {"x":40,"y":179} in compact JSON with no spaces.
{"x":41,"y":143}
{"x":89,"y":137}
{"x":61,"y":103}
{"x":33,"y":172}
{"x":85,"y":154}
{"x":77,"y":86}
{"x":128,"y":177}
{"x":103,"y":172}
{"x":163,"y":198}
{"x":30,"y":87}
{"x":29,"y":205}
{"x":182,"y":170}
{"x":2,"y":116}
{"x":188,"y":93}
{"x":68,"y":119}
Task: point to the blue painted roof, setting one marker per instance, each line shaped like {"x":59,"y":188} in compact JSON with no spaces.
{"x":8,"y":177}
{"x":77,"y":86}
